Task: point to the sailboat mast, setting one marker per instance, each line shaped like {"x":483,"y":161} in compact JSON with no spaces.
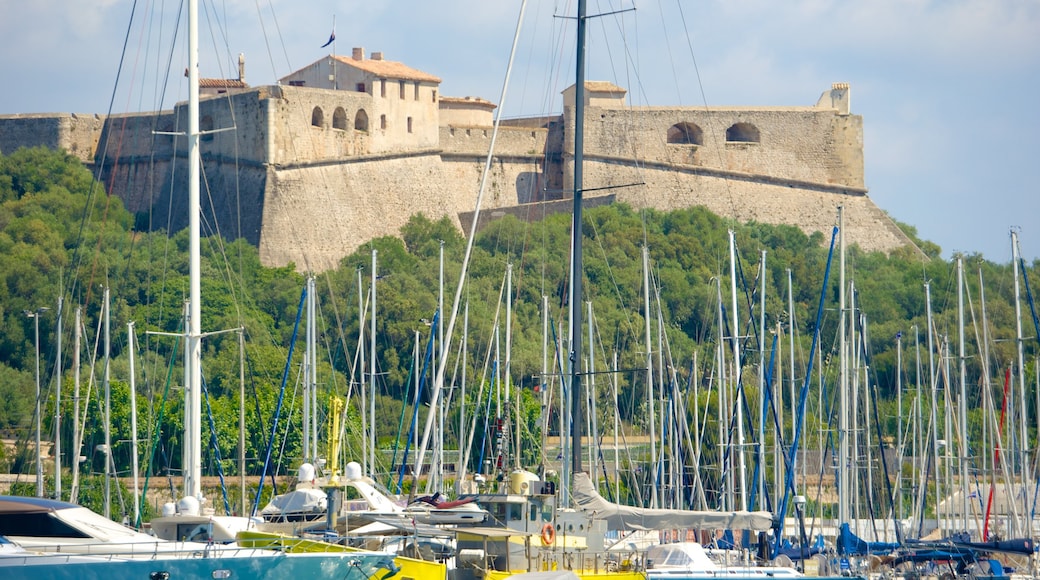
{"x":372,"y":372}
{"x":843,"y":382}
{"x":1023,"y":460}
{"x":962,"y":407}
{"x":737,"y":400}
{"x":651,"y":400}
{"x":57,"y":401}
{"x":574,"y":300}
{"x":192,"y":430}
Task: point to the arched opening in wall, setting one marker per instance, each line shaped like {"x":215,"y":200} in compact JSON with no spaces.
{"x":382,"y":122}
{"x":361,"y":121}
{"x":742,"y":133}
{"x":685,"y":134}
{"x":409,"y":124}
{"x":339,"y":119}
{"x":206,"y":128}
{"x":317,"y":117}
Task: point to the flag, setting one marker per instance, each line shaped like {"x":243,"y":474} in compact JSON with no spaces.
{"x":332,"y":38}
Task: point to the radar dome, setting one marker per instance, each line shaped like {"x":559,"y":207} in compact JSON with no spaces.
{"x":353,"y":471}
{"x":188,"y":506}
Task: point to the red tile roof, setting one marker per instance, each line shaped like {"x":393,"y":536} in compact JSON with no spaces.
{"x":388,"y":69}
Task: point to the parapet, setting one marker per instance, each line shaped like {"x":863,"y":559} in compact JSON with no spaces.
{"x":838,"y":98}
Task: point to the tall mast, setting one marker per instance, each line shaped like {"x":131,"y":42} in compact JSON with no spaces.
{"x":1022,"y":404}
{"x":737,"y":398}
{"x":57,"y":402}
{"x":962,"y":410}
{"x":108,"y":407}
{"x":193,"y":409}
{"x":76,"y":335}
{"x":372,"y":372}
{"x":650,"y":398}
{"x":574,"y":300}
{"x":843,"y":382}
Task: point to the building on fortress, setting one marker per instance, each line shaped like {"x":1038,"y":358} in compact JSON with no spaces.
{"x":348,"y":148}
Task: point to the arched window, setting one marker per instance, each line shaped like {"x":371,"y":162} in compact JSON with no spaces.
{"x":339,"y":119}
{"x":317,"y":117}
{"x":361,"y":121}
{"x":742,"y":133}
{"x":685,"y":134}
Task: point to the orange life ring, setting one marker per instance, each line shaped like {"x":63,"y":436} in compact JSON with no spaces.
{"x":548,"y":534}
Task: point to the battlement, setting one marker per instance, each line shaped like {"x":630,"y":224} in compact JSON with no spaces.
{"x":353,"y":146}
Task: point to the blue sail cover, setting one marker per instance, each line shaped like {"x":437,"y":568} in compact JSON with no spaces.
{"x":850,"y":544}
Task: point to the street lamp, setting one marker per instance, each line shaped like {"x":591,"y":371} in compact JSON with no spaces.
{"x":35,"y":315}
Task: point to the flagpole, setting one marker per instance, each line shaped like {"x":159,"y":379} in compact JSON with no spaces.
{"x":335,"y":80}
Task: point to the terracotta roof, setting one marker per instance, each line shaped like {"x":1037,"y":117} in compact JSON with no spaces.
{"x":222,"y":84}
{"x":474,"y":101}
{"x":388,"y":69}
{"x":603,"y":87}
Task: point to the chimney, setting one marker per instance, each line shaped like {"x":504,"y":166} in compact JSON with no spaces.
{"x":377,"y":56}
{"x":358,"y":53}
{"x":241,"y":67}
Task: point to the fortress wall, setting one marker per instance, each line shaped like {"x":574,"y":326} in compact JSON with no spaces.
{"x":806,"y":144}
{"x":75,"y":133}
{"x":475,"y":140}
{"x":127,"y":138}
{"x":315,"y":215}
{"x":669,"y":188}
{"x":294,"y":138}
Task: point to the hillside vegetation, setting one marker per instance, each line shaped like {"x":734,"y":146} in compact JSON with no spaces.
{"x":61,"y":236}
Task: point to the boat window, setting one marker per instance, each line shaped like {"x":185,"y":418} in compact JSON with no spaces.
{"x":516,"y":512}
{"x":546,"y":512}
{"x":38,"y":525}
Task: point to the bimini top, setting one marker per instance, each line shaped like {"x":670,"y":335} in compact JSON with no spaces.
{"x":623,"y":517}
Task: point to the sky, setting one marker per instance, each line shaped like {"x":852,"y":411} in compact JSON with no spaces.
{"x":947,"y":88}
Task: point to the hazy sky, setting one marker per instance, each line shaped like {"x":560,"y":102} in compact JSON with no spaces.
{"x":947,"y":88}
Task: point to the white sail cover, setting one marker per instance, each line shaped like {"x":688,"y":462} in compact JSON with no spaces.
{"x":622,"y":517}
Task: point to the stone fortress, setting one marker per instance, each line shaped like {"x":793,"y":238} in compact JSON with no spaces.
{"x":349,"y":147}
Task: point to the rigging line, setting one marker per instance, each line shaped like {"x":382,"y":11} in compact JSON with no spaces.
{"x":267,"y":43}
{"x":87,"y":211}
{"x":439,"y":381}
{"x":712,"y":127}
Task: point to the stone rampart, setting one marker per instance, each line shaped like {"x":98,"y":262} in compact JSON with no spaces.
{"x":309,"y":174}
{"x":77,"y":134}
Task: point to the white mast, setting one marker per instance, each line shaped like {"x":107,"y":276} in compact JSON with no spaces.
{"x":372,"y":373}
{"x":650,"y":398}
{"x":309,"y":342}
{"x":76,"y":334}
{"x":963,"y":413}
{"x":193,"y":388}
{"x":57,"y":403}
{"x":108,"y":409}
{"x":738,"y":400}
{"x":133,"y":423}
{"x":1022,"y":404}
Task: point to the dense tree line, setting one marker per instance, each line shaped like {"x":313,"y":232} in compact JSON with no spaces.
{"x":61,"y":235}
